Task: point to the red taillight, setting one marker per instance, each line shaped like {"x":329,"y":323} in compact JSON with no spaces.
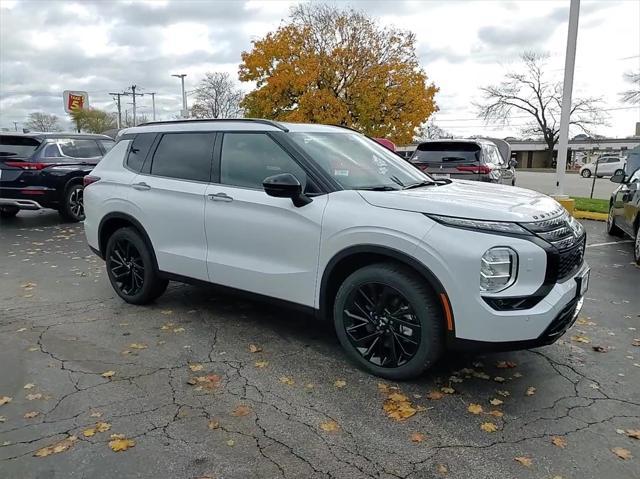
{"x":477,"y":169}
{"x":26,"y":165}
{"x":87,"y":180}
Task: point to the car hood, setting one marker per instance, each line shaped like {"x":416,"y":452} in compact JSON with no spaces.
{"x":469,"y":199}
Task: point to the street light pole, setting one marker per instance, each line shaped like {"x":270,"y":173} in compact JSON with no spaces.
{"x":569,"y":65}
{"x":153,"y":104}
{"x":184,"y":95}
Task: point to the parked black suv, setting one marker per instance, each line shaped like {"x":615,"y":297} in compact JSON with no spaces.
{"x":45,"y":170}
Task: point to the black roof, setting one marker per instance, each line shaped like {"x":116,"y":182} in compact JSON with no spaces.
{"x":56,"y":134}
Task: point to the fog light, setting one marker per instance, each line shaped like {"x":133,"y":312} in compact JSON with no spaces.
{"x":498,"y":268}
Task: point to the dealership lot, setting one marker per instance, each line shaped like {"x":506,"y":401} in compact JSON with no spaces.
{"x":209,"y":385}
{"x":575,"y":185}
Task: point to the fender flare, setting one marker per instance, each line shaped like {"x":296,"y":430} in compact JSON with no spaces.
{"x":135,"y":223}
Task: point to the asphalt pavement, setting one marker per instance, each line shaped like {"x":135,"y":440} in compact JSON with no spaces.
{"x":180,"y":381}
{"x":575,"y":185}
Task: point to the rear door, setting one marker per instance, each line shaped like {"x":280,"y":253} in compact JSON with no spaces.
{"x":449,"y":159}
{"x":16,"y":153}
{"x":169,"y":198}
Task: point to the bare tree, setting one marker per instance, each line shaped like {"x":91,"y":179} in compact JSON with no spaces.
{"x":632,"y":96}
{"x":39,"y":121}
{"x":431,"y":131}
{"x":528,"y":91}
{"x":217,"y":97}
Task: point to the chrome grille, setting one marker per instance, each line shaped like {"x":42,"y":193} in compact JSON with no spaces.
{"x":563,"y":231}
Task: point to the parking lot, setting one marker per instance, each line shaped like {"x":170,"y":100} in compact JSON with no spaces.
{"x":208,"y":385}
{"x":575,"y":185}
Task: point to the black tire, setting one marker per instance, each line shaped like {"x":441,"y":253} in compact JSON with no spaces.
{"x":72,"y":206}
{"x":424,"y":312}
{"x":612,"y":229}
{"x":7,"y":212}
{"x":131,"y":269}
{"x":513,"y":182}
{"x":636,"y":248}
{"x":586,"y":173}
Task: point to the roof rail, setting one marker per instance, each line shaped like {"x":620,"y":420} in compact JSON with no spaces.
{"x":280,"y":126}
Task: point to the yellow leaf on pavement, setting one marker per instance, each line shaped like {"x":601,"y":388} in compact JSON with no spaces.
{"x":261,"y":364}
{"x":108,"y":374}
{"x":138,"y":346}
{"x":196,"y":367}
{"x":56,"y":448}
{"x":254,"y":349}
{"x":89,"y":432}
{"x":447,"y":390}
{"x":496,"y":413}
{"x":102,"y":426}
{"x":31,"y":397}
{"x":474,"y":408}
{"x":231,"y":443}
{"x":633,"y":433}
{"x":417,"y":437}
{"x":435,"y":395}
{"x":31,"y":415}
{"x":340,"y":383}
{"x":28,"y":386}
{"x":578,"y":338}
{"x":442,"y":469}
{"x":496,"y":402}
{"x":488,"y":427}
{"x":120,"y":443}
{"x":213,"y":424}
{"x":241,"y":410}
{"x":329,"y":426}
{"x":530,"y":391}
{"x":559,"y":441}
{"x":286,"y":380}
{"x":622,"y":453}
{"x":524,"y":460}
{"x":5,"y":400}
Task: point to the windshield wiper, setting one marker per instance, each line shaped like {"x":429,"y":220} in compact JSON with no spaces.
{"x":418,"y":185}
{"x":379,"y":188}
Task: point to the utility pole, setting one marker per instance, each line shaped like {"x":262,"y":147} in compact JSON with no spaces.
{"x":134,"y":95}
{"x":153,"y":104}
{"x":565,"y":112}
{"x":15,"y":125}
{"x":185,"y":112}
{"x":118,"y":95}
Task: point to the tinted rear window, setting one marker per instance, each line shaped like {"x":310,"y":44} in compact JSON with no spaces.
{"x":139,"y":150}
{"x":445,"y":152}
{"x":17,"y":146}
{"x":184,"y":156}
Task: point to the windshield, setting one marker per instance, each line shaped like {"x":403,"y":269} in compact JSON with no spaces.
{"x":17,"y":146}
{"x":358,"y":163}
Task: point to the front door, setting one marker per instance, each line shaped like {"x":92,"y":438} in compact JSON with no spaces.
{"x":256,"y":242}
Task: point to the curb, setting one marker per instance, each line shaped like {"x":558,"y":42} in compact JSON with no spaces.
{"x":590,"y":215}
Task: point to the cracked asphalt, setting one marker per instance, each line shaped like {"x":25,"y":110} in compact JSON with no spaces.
{"x":62,"y":327}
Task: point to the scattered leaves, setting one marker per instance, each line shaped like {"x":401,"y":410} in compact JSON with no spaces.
{"x":254,"y":349}
{"x":108,"y":374}
{"x":417,"y":437}
{"x":488,"y":427}
{"x":31,"y":415}
{"x":261,"y":364}
{"x":398,"y":407}
{"x":559,"y":441}
{"x":524,"y":460}
{"x":241,"y":410}
{"x":578,"y":338}
{"x":210,"y":381}
{"x":329,"y":426}
{"x":5,"y":400}
{"x":340,"y":383}
{"x":435,"y":395}
{"x":496,"y":402}
{"x":120,"y":443}
{"x":622,"y":453}
{"x":475,"y":408}
{"x":287,"y":380}
{"x":213,"y":424}
{"x":56,"y":448}
{"x":633,"y":433}
{"x":530,"y":391}
{"x":196,"y":367}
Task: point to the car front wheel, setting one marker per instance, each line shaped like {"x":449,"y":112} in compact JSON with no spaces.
{"x":389,"y":321}
{"x":131,"y":269}
{"x":586,"y":173}
{"x":72,"y":207}
{"x":612,"y":229}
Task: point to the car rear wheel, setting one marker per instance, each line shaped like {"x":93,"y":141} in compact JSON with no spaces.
{"x":131,"y":269}
{"x":72,"y":207}
{"x":586,"y":173}
{"x":389,"y":321}
{"x":612,"y":229}
{"x":8,"y":211}
{"x":636,"y":249}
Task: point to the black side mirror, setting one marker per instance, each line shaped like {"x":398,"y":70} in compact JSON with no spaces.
{"x":618,"y":176}
{"x":286,"y":185}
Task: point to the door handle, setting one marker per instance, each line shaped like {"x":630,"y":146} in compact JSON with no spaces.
{"x":220,"y":197}
{"x":141,"y":186}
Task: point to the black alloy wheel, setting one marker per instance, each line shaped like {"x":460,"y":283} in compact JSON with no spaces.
{"x":381,"y":325}
{"x":72,"y":207}
{"x":126,"y":267}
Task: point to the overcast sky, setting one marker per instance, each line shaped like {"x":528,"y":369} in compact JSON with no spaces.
{"x":104,"y":46}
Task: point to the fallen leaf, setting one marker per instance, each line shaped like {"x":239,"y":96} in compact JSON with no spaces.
{"x":108,"y":374}
{"x":622,"y":453}
{"x":254,"y":349}
{"x":633,"y":433}
{"x":95,"y":414}
{"x":102,"y":426}
{"x":488,"y":427}
{"x":31,"y":397}
{"x":231,"y":443}
{"x":241,"y":410}
{"x":340,"y":383}
{"x":178,"y":330}
{"x":481,"y":375}
{"x":496,"y":402}
{"x":261,"y":364}
{"x":120,"y":443}
{"x":138,"y":346}
{"x":196,"y":367}
{"x":33,"y":349}
{"x":21,"y":330}
{"x":435,"y":395}
{"x":398,"y":407}
{"x":505,"y":364}
{"x":213,"y":424}
{"x":309,"y":385}
{"x":525,"y":461}
{"x":504,"y":394}
{"x":559,"y":441}
{"x":474,"y":408}
{"x":28,"y":386}
{"x":600,"y":349}
{"x":636,"y":342}
{"x":417,"y":437}
{"x":580,"y":339}
{"x":530,"y":391}
{"x":517,"y":375}
{"x":56,"y":448}
{"x":31,"y":415}
{"x":447,"y":390}
{"x":89,"y":432}
{"x":442,"y":469}
{"x":286,"y":380}
{"x":382,"y":387}
{"x":499,"y":379}
{"x":5,"y":400}
{"x":329,"y":426}
{"x":210,"y":381}
{"x":496,"y":413}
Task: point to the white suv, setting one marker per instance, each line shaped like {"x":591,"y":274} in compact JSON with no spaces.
{"x":323,"y":218}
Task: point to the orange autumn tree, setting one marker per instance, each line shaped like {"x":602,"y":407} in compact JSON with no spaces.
{"x":327,"y":65}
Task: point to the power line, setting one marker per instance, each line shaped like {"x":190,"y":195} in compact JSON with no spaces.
{"x":134,"y":95}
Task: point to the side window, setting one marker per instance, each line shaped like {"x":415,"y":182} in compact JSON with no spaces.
{"x":80,"y":148}
{"x":139,"y":149}
{"x":106,"y":144}
{"x":249,"y":158}
{"x":635,"y":178}
{"x":493,"y":156}
{"x":613,"y":160}
{"x":186,"y":156}
{"x":51,"y":151}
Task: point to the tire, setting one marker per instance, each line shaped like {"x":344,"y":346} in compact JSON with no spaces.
{"x":586,"y":173}
{"x":131,"y":269}
{"x":636,"y":248}
{"x":612,"y":229}
{"x":7,"y":212}
{"x":400,"y":286}
{"x":72,"y":207}
{"x":513,"y":182}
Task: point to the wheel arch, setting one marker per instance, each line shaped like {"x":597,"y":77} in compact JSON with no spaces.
{"x":116,"y":220}
{"x":348,"y":260}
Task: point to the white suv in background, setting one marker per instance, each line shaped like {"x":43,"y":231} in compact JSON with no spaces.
{"x":606,"y":166}
{"x":325,"y":219}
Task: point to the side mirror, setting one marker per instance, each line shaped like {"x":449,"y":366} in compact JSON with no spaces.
{"x":285,"y":185}
{"x":618,"y":176}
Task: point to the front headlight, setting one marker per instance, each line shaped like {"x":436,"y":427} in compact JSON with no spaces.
{"x":498,"y":269}
{"x":497,"y":226}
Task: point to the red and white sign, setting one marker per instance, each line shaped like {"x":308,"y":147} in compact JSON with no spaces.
{"x":75,"y":100}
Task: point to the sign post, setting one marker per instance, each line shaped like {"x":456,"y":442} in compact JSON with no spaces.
{"x":75,"y":101}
